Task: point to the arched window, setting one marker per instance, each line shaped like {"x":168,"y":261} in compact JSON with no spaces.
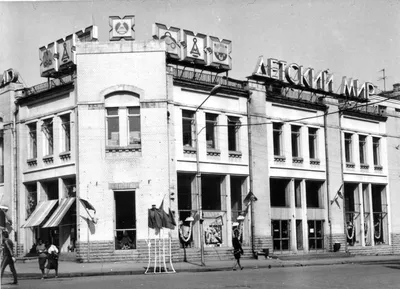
{"x":123,"y":119}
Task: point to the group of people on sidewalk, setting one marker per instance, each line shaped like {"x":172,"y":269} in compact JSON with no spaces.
{"x":47,"y":252}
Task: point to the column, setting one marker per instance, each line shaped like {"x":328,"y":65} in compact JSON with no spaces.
{"x":292,"y":206}
{"x":361,"y":202}
{"x":304,"y":215}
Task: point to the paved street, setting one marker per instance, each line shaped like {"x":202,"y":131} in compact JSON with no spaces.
{"x":334,"y":276}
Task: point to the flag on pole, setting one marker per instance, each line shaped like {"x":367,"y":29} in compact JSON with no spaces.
{"x":87,"y":205}
{"x":249,"y":198}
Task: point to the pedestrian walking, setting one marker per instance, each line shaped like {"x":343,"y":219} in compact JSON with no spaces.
{"x":41,"y":250}
{"x":8,"y":257}
{"x":237,"y":250}
{"x":52,"y":260}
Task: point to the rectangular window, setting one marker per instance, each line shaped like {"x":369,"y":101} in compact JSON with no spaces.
{"x":278,"y":192}
{"x":362,"y":142}
{"x":1,"y":156}
{"x":280,"y":234}
{"x":211,"y":130}
{"x":66,"y":130}
{"x":211,"y":192}
{"x":312,"y":142}
{"x":47,"y":128}
{"x":297,"y":192}
{"x":32,"y":141}
{"x":188,"y":129}
{"x":125,"y":220}
{"x":348,"y":147}
{"x":233,"y":133}
{"x":112,"y":126}
{"x":134,"y":125}
{"x":185,"y":187}
{"x":314,"y":194}
{"x":296,"y":141}
{"x":376,"y":151}
{"x":315,"y":234}
{"x":277,"y":136}
{"x":236,"y":196}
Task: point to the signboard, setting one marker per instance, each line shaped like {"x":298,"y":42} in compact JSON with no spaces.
{"x":8,"y":76}
{"x":306,"y":77}
{"x":122,"y":28}
{"x":188,"y":47}
{"x":58,"y":58}
{"x":172,"y":37}
{"x":48,"y":60}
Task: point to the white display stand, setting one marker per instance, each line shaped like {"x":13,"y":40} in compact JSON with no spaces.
{"x":159,"y":249}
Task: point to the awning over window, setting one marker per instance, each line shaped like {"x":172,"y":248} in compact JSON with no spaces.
{"x":59,"y":213}
{"x":42,"y":210}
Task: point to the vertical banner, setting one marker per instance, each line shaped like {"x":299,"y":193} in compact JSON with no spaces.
{"x":48,"y":60}
{"x":172,"y":38}
{"x":122,"y":28}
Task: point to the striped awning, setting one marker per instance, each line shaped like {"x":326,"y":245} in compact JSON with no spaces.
{"x":42,"y":210}
{"x":59,"y":213}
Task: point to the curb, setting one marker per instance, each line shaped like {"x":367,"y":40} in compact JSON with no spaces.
{"x":27,"y":276}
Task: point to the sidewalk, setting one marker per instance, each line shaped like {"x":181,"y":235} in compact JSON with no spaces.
{"x":67,"y":269}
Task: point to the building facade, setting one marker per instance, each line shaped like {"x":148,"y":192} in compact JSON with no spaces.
{"x":89,"y":154}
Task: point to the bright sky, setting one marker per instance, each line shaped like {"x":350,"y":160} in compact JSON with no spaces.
{"x":353,"y":38}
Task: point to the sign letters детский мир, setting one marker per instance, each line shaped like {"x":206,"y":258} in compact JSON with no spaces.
{"x":58,"y":57}
{"x":298,"y":75}
{"x":187,"y":47}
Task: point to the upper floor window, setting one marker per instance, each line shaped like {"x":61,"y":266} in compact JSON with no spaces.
{"x":112,"y":126}
{"x":32,"y":141}
{"x":233,"y":133}
{"x":188,"y":131}
{"x":1,"y":156}
{"x":312,"y":142}
{"x":277,"y":136}
{"x":296,"y":141}
{"x":348,"y":147}
{"x":211,"y":130}
{"x":376,"y":151}
{"x":134,"y":125}
{"x":47,"y":128}
{"x":362,"y":142}
{"x":66,"y":132}
{"x":123,"y":126}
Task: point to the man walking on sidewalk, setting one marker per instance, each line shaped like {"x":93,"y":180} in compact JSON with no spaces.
{"x":8,"y":257}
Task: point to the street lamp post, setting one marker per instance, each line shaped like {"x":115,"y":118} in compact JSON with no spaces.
{"x":213,"y":91}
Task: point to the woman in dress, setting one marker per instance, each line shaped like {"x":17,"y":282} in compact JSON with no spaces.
{"x":52,"y":260}
{"x":41,"y":250}
{"x":237,"y":250}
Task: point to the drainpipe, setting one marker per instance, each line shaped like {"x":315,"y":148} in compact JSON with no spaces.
{"x":327,"y":177}
{"x":250,"y":173}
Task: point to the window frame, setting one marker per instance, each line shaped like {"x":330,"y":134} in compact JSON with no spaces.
{"x":234,"y":124}
{"x":281,"y":239}
{"x":211,"y":130}
{"x":295,"y":133}
{"x":188,"y":121}
{"x":362,"y":146}
{"x":128,"y":118}
{"x":277,"y":136}
{"x":48,"y":132}
{"x":313,"y":139}
{"x":108,"y":134}
{"x":66,"y":132}
{"x":130,"y":230}
{"x":348,"y":147}
{"x":376,"y":150}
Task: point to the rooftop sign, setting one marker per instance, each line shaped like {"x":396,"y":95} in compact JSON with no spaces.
{"x":298,"y":75}
{"x":58,"y":58}
{"x":122,"y":28}
{"x":185,"y":46}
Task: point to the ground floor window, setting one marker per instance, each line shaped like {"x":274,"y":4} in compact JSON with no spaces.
{"x":280,"y":234}
{"x":125,"y":220}
{"x":315,"y":234}
{"x":185,"y":188}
